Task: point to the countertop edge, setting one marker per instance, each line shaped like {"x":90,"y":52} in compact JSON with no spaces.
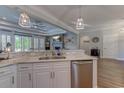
{"x":26,"y":61}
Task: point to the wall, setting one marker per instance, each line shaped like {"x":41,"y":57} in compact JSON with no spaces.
{"x":71,"y":41}
{"x":111,"y":36}
{"x":113,"y":39}
{"x":121,"y":45}
{"x":90,"y":45}
{"x":110,"y":43}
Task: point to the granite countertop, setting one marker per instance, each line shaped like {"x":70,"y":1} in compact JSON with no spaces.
{"x":36,"y":59}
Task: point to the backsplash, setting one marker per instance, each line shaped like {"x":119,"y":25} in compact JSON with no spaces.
{"x":42,"y":53}
{"x":22,"y":54}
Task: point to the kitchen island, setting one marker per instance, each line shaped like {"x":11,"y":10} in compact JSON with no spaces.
{"x":31,"y":72}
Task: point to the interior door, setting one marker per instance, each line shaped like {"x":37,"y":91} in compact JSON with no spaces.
{"x":110,"y":45}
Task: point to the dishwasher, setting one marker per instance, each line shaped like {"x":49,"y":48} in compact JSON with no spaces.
{"x":82,"y":74}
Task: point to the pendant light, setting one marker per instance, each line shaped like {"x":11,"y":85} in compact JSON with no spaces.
{"x":80,"y":21}
{"x":24,"y":20}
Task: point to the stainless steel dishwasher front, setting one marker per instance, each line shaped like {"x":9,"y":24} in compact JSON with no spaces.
{"x":82,"y":74}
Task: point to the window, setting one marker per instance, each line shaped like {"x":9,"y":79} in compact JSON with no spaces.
{"x":18,"y":44}
{"x":36,"y":43}
{"x":4,"y":40}
{"x":22,"y":43}
{"x":26,"y":43}
{"x":41,"y":43}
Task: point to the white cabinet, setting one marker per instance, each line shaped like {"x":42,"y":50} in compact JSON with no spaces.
{"x":42,"y":80}
{"x":24,"y":79}
{"x":55,"y":74}
{"x":24,"y":76}
{"x":62,"y":79}
{"x":41,"y":75}
{"x":6,"y":81}
{"x":44,"y":75}
{"x":8,"y":77}
{"x":37,"y":75}
{"x":61,"y":75}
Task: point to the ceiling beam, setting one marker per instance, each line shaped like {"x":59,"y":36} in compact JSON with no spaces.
{"x":44,"y":15}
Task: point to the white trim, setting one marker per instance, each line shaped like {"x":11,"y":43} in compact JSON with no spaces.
{"x":117,"y":58}
{"x":94,"y":73}
{"x":121,"y":59}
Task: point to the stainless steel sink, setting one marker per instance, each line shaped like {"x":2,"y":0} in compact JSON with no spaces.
{"x":54,"y":57}
{"x":58,"y":57}
{"x":2,"y":58}
{"x":43,"y":58}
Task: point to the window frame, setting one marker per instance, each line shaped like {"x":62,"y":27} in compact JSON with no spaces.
{"x":13,"y":40}
{"x":22,"y":43}
{"x":6,"y":33}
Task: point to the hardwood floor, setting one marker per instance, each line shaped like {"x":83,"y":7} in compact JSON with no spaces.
{"x":110,"y":73}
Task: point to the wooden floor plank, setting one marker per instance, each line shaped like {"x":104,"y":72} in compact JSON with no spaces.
{"x":110,"y":73}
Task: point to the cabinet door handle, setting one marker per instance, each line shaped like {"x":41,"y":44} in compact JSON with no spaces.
{"x":24,"y":67}
{"x":29,"y":76}
{"x":82,"y":62}
{"x":51,"y":75}
{"x":13,"y":81}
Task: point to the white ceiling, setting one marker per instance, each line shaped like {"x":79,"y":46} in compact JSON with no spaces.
{"x":65,"y":15}
{"x":92,"y":14}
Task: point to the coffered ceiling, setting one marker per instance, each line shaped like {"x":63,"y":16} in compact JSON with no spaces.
{"x":64,"y":16}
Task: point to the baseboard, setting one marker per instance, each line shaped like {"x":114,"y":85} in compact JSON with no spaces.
{"x":121,"y":59}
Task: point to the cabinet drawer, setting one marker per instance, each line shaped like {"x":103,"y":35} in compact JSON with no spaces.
{"x":5,"y":71}
{"x":42,"y":66}
{"x":61,"y":64}
{"x":24,"y":67}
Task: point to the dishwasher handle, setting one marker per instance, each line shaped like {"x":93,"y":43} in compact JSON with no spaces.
{"x":80,"y":63}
